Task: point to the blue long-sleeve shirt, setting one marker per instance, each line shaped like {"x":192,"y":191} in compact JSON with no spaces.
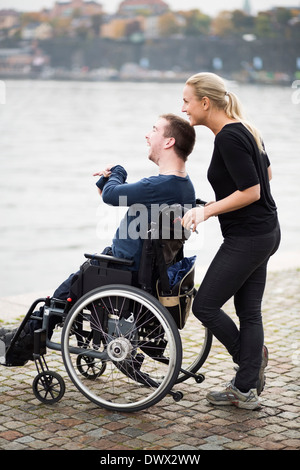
{"x":143,"y":199}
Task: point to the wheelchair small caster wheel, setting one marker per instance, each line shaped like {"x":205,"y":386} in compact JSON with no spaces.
{"x":89,"y":367}
{"x":200,"y":378}
{"x":177,"y":396}
{"x":48,"y":387}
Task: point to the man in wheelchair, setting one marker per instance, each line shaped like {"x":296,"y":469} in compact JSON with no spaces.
{"x":170,"y":142}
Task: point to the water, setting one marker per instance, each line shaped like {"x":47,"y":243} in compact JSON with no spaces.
{"x":55,"y":135}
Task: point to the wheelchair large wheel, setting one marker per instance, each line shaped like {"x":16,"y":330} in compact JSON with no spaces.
{"x":196,"y":344}
{"x":131,"y":333}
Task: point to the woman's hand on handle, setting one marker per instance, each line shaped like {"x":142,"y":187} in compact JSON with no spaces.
{"x":193,"y":217}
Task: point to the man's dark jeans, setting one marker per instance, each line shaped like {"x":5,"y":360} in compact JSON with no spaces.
{"x":238,"y":270}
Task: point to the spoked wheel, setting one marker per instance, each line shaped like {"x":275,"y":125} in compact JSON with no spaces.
{"x":131,"y":333}
{"x":89,"y":367}
{"x":48,"y":387}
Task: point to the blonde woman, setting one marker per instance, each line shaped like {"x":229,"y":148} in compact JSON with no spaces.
{"x":239,"y":173}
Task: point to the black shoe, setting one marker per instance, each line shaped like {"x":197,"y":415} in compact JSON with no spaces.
{"x":22,"y":350}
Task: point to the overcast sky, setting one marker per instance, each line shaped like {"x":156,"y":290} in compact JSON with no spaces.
{"x":209,"y":7}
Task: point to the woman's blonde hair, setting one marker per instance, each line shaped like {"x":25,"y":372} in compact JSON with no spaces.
{"x":213,"y":86}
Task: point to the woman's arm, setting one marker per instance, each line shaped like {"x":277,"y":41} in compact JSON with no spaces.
{"x":233,"y":202}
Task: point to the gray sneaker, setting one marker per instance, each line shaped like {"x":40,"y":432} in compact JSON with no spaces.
{"x":232,"y":396}
{"x":219,"y":398}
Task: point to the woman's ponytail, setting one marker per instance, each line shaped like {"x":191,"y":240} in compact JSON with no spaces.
{"x":234,"y":110}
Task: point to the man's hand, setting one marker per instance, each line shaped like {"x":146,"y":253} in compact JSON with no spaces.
{"x":106,"y":172}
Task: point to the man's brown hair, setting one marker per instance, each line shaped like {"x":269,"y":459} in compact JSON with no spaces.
{"x":183,"y":133}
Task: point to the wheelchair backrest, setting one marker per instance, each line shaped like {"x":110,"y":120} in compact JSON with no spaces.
{"x":169,"y":226}
{"x":169,"y":230}
{"x":163,"y":247}
{"x":163,"y":269}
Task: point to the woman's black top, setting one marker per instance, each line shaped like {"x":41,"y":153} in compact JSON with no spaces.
{"x":237,"y":164}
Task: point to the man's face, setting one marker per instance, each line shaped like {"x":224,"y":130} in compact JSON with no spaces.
{"x":156,"y":140}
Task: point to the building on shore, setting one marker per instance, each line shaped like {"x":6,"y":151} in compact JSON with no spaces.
{"x":77,"y":7}
{"x":134,"y":7}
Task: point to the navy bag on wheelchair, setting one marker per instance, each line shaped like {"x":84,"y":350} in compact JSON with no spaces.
{"x":181,"y":280}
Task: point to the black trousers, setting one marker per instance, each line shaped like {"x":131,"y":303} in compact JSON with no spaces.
{"x":238,"y":270}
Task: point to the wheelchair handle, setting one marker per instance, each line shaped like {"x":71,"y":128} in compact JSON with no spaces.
{"x":200,"y":202}
{"x":110,"y":259}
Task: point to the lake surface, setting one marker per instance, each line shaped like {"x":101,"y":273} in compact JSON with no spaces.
{"x":55,"y":135}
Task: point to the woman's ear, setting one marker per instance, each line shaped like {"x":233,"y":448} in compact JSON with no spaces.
{"x":205,"y":102}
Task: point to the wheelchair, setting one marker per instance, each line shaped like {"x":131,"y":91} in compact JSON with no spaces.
{"x":126,"y":340}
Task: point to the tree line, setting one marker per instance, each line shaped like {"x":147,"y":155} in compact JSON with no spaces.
{"x":277,"y":23}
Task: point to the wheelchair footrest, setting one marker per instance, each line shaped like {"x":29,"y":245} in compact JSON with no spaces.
{"x":40,"y":338}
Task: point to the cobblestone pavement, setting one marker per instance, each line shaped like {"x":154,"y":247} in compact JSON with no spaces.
{"x":192,"y":424}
